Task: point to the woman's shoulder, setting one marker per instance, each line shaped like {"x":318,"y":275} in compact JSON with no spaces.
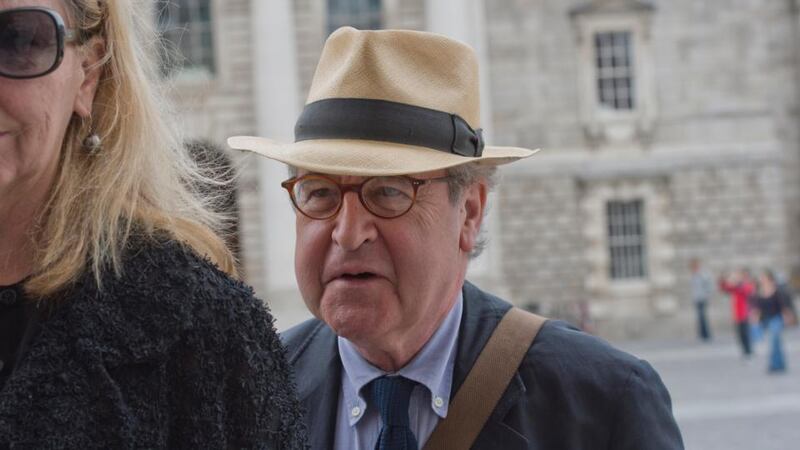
{"x":160,"y":271}
{"x":158,"y":264}
{"x":164,"y":293}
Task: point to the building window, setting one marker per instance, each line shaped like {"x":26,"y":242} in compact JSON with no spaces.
{"x":361,"y":14}
{"x":626,"y":239}
{"x":613,"y":56}
{"x":186,"y":30}
{"x":616,"y":86}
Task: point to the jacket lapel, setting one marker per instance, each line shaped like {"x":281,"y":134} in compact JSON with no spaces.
{"x":318,"y":388}
{"x":481,"y":315}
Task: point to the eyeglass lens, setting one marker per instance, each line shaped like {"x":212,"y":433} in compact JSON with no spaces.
{"x":386,"y":197}
{"x":28,"y":43}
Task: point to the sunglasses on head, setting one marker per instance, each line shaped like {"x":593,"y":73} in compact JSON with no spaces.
{"x":32,"y":42}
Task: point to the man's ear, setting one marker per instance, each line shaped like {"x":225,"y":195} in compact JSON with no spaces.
{"x":92,"y":55}
{"x":473,"y":203}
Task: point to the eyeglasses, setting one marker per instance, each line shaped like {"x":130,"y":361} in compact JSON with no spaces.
{"x":319,"y":197}
{"x":32,"y":42}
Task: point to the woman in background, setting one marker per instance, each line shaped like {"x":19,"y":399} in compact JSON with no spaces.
{"x":773,"y":311}
{"x":120,"y":323}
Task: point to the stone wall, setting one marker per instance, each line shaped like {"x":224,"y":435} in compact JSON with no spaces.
{"x":541,"y":234}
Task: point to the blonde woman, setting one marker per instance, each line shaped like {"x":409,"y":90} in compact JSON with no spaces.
{"x":120,"y":324}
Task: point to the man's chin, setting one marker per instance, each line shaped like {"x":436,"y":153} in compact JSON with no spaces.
{"x":354,"y":324}
{"x":356,"y":312}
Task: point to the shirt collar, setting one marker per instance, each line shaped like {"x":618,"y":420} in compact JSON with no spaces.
{"x":432,"y":367}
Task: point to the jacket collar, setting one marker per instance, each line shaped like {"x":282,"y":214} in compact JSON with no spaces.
{"x":318,"y":388}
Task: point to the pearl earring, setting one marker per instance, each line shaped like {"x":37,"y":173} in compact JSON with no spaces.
{"x":92,"y":143}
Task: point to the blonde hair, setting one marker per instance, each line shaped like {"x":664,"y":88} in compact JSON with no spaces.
{"x":141,"y":181}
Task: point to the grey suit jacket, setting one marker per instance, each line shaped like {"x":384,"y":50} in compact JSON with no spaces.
{"x":572,"y":390}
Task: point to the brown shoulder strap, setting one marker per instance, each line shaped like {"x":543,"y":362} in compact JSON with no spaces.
{"x":486,"y":381}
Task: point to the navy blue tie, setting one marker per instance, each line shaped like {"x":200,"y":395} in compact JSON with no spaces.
{"x":392,"y":395}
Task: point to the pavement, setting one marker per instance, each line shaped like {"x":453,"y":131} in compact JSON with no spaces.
{"x":723,"y":401}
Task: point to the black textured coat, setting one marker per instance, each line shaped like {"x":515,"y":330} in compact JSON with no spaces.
{"x":173,"y":354}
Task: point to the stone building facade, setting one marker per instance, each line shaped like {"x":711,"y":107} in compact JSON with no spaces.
{"x":709,"y":150}
{"x":669,"y":131}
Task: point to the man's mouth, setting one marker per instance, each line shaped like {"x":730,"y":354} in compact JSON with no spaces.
{"x":351,"y":272}
{"x":357,"y":276}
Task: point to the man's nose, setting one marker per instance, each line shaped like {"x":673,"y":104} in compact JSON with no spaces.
{"x":354,"y":225}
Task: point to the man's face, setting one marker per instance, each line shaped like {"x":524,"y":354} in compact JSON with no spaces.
{"x":378,"y":281}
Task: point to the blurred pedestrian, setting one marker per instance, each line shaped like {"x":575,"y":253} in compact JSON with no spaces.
{"x":789,"y":287}
{"x":739,"y":286}
{"x":702,"y":288}
{"x":773,"y":311}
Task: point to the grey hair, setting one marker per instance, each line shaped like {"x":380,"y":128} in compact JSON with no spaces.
{"x":459,"y":178}
{"x":463,"y":176}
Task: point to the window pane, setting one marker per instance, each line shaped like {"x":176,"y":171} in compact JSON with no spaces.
{"x":204,"y":11}
{"x":185,"y":27}
{"x":613,"y":56}
{"x":184,"y":13}
{"x":626,"y":239}
{"x":361,"y":14}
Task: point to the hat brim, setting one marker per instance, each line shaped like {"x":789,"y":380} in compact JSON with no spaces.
{"x":369,"y":158}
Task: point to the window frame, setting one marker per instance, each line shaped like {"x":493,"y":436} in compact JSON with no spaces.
{"x":603,"y":125}
{"x":607,"y":68}
{"x":632,"y":244}
{"x":355,"y":20}
{"x":185,"y":70}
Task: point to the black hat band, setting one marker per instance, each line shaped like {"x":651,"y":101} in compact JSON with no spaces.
{"x":381,"y":120}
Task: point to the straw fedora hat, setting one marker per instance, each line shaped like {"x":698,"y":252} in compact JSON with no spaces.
{"x":388,"y":102}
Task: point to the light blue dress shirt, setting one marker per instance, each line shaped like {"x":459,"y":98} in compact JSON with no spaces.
{"x":358,"y":424}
